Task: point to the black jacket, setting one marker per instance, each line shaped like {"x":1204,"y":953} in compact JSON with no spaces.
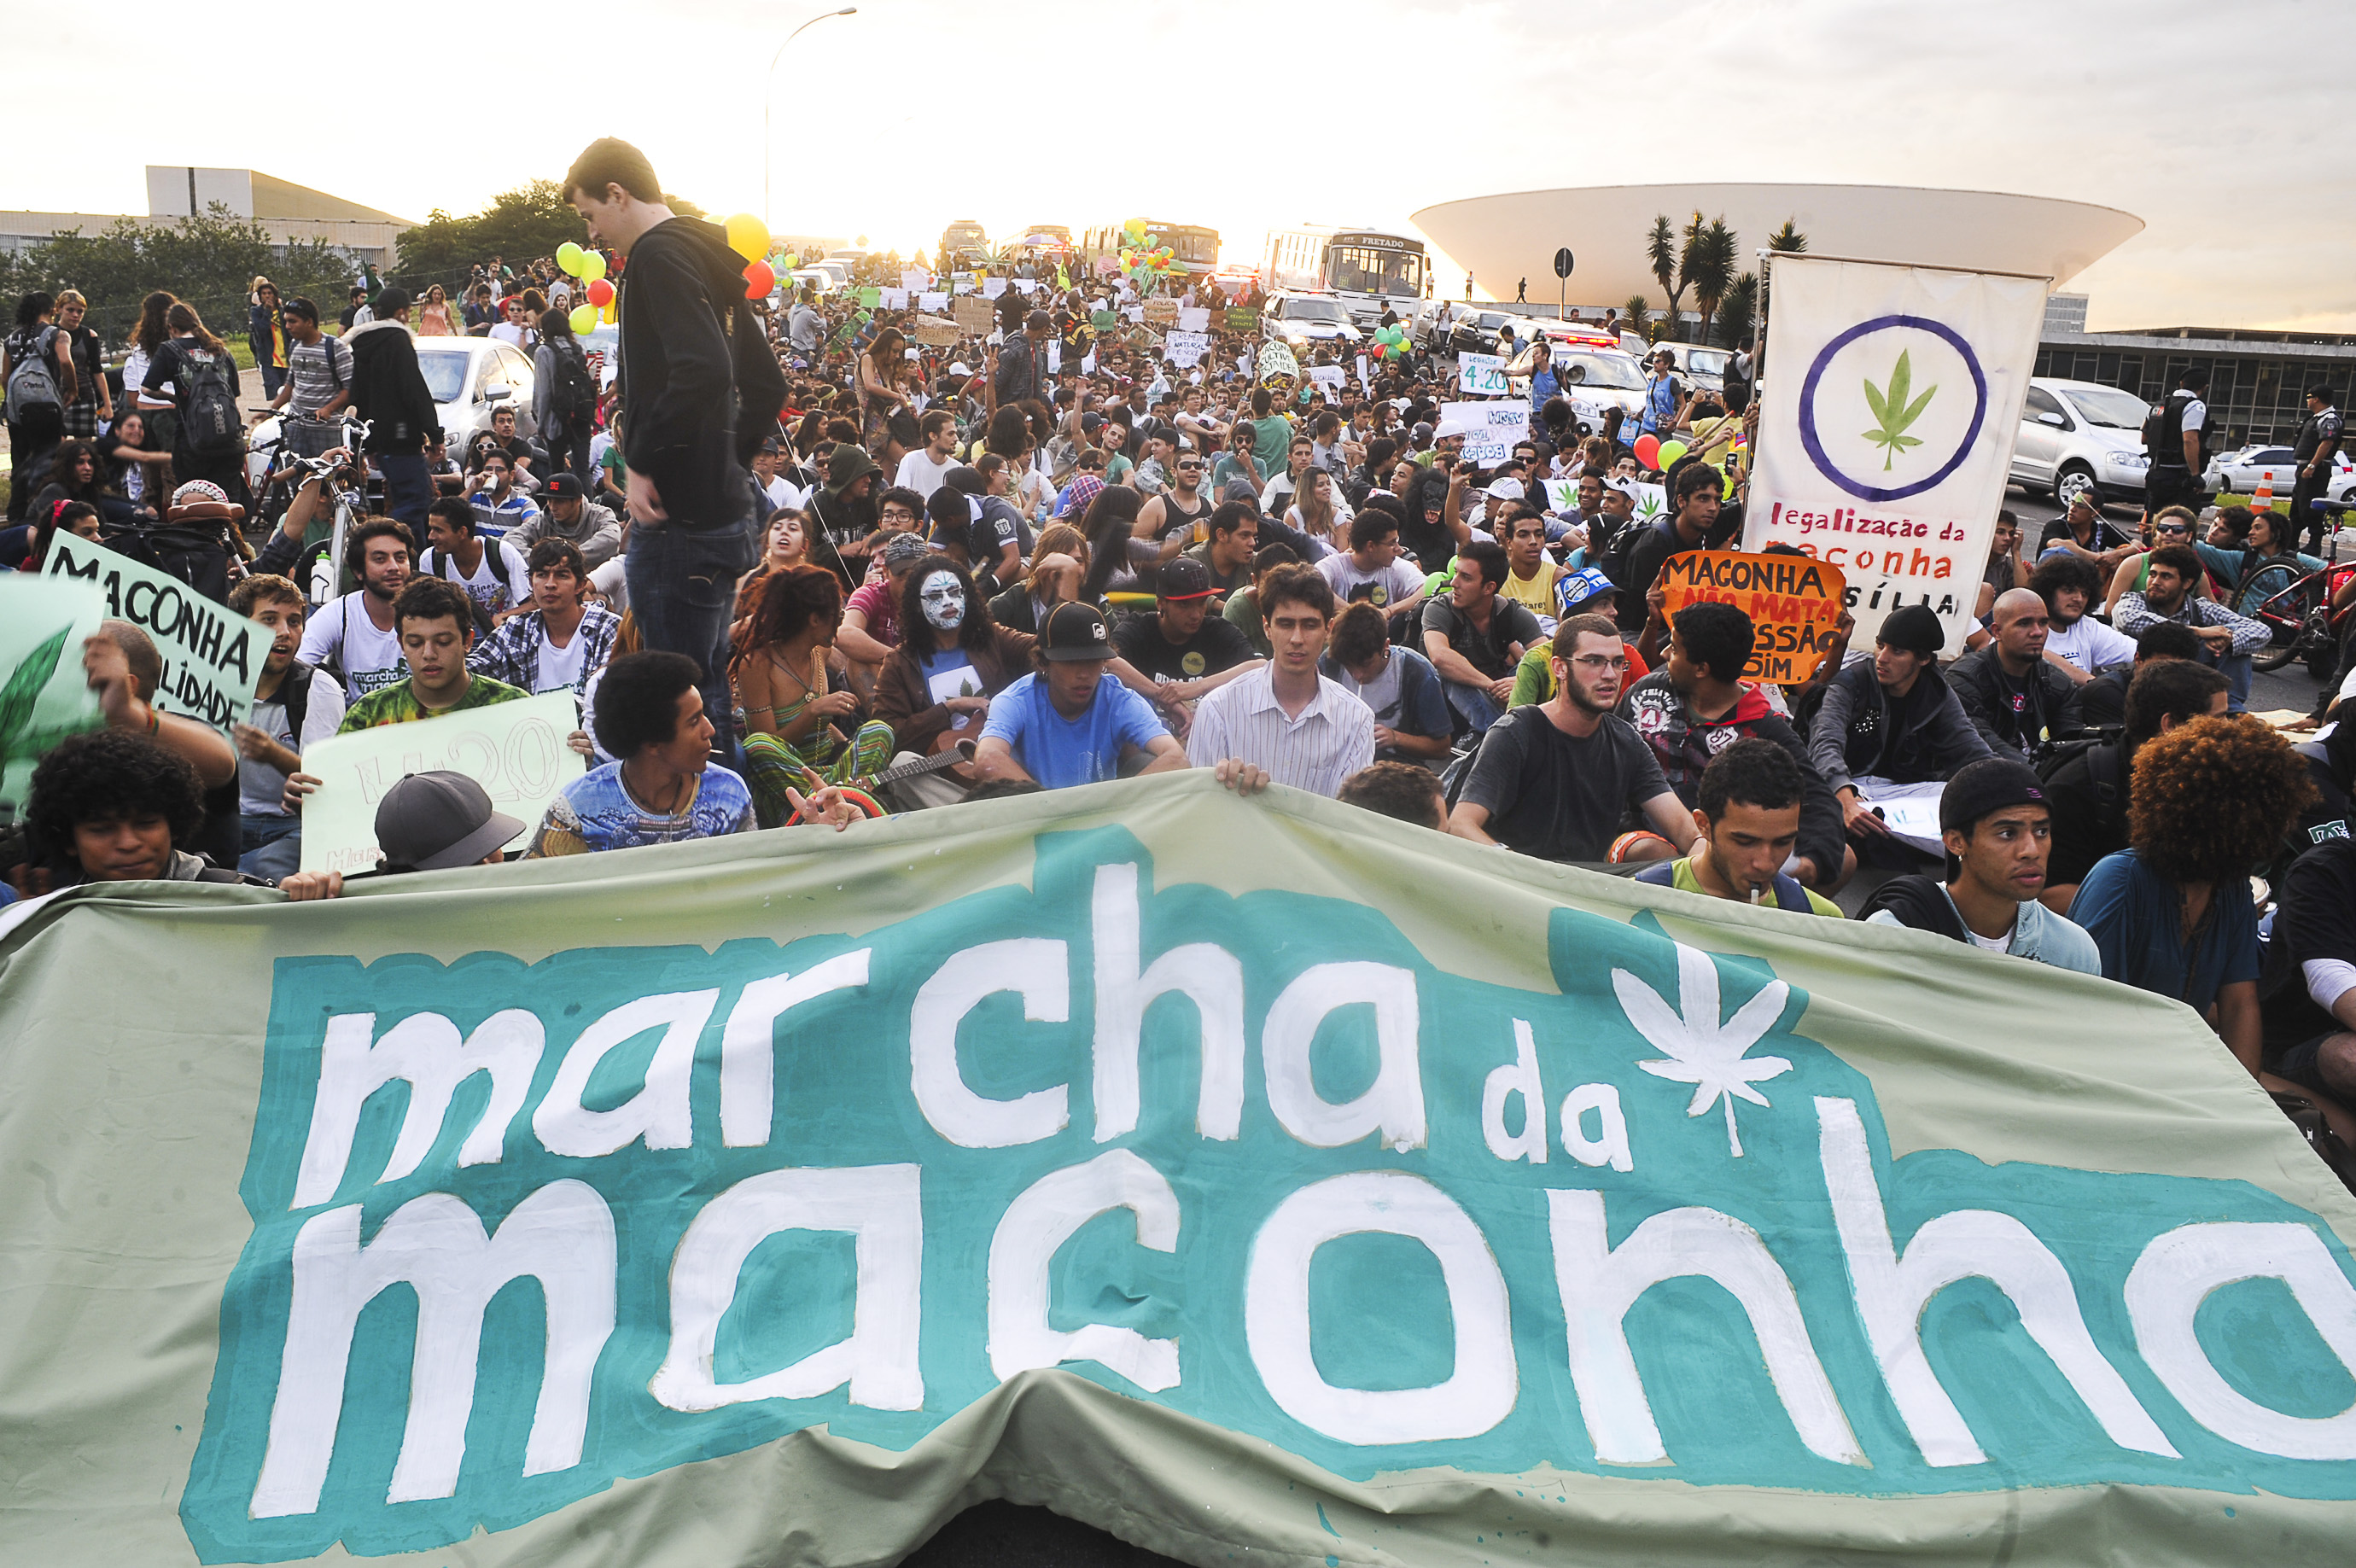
{"x":1853,"y":733}
{"x":2050,"y":701}
{"x":389,"y":390}
{"x":699,"y":388}
{"x":1684,"y":744}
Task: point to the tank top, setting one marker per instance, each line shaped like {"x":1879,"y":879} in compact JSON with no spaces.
{"x":1175,"y":516}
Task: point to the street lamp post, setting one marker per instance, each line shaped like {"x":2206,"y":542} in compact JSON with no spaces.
{"x":769,"y":89}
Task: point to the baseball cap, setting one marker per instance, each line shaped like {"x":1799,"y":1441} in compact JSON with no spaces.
{"x":1037,"y":321}
{"x":1073,"y":632}
{"x":1505,"y":489}
{"x":1184,"y":578}
{"x":1083,"y":490}
{"x":564,"y":487}
{"x":958,"y":367}
{"x":904,"y":549}
{"x":1979,"y":789}
{"x":1915,"y":630}
{"x":430,"y":822}
{"x":1422,"y":431}
{"x":1578,"y":591}
{"x":769,"y":444}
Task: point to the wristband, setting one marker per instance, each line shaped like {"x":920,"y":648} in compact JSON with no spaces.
{"x":155,"y":721}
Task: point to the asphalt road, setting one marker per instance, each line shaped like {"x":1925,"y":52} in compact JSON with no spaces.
{"x":2288,"y":687}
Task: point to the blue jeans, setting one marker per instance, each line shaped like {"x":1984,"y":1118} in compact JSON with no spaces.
{"x":682,"y":587}
{"x":407,"y":489}
{"x":1474,"y":706}
{"x":2235,"y":668}
{"x":273,"y":378}
{"x":270,"y":846}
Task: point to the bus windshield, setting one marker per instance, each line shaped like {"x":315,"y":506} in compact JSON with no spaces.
{"x":1361,"y":269}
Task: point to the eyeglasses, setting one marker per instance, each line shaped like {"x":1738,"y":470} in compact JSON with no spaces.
{"x":2171,"y":529}
{"x":1599,"y":662}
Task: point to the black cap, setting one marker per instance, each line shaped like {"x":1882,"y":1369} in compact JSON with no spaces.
{"x":392,"y":300}
{"x":430,"y":822}
{"x":1183,"y":578}
{"x":1915,"y":630}
{"x":564,"y":487}
{"x":1038,"y":321}
{"x":1983,"y":788}
{"x":1075,"y":632}
{"x":2321,"y":389}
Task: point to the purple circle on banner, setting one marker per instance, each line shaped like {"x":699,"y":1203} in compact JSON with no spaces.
{"x":1807,"y":410}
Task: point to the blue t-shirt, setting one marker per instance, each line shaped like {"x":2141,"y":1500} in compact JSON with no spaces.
{"x":596,"y":813}
{"x":2133,"y":914}
{"x":1060,"y":751}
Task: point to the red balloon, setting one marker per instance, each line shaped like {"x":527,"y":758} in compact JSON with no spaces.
{"x":1648,"y":451}
{"x":601,"y":294}
{"x":759,"y":279}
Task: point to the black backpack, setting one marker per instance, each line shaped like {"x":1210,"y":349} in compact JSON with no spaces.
{"x":211,"y":425}
{"x":574,"y":394}
{"x":2102,"y":753}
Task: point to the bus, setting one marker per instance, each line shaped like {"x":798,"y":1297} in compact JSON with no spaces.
{"x":959,"y":240}
{"x":1196,"y":247}
{"x":1368,"y":269}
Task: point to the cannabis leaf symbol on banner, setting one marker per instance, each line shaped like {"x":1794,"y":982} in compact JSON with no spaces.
{"x":1699,"y":1048}
{"x":22,"y":689}
{"x":1894,"y":412}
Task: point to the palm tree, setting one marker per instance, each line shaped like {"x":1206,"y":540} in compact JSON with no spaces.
{"x":1788,"y":238}
{"x":1736,"y":311}
{"x":1689,"y":245}
{"x":1632,"y":313}
{"x":1711,"y":270}
{"x":1661,"y":251}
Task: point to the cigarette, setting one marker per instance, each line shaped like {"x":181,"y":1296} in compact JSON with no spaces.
{"x":1754,"y":898}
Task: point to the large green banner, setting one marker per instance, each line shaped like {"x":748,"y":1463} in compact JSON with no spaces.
{"x":1258,"y":1180}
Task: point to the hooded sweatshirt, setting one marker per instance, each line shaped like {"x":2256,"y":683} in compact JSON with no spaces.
{"x":389,"y":390}
{"x":1684,"y":742}
{"x":697,"y":377}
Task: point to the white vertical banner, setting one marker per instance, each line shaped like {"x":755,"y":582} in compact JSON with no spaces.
{"x":1890,"y":402}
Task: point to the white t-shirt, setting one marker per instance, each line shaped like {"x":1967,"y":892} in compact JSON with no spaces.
{"x":508,"y":332}
{"x":2090,"y":644}
{"x":559,"y":668}
{"x":1394,"y":584}
{"x":342,"y":634}
{"x":919,"y":472}
{"x":495,"y":590}
{"x":781,"y":491}
{"x":260,"y":787}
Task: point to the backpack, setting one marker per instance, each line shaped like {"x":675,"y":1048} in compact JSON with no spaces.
{"x":575,"y":393}
{"x":211,"y":425}
{"x":33,"y":383}
{"x":2102,"y":753}
{"x":1920,"y":903}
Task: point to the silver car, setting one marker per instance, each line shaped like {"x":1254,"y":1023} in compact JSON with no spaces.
{"x":467,"y":378}
{"x":2081,"y":438}
{"x":2239,"y":473}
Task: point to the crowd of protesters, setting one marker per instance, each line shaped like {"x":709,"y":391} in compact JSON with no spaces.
{"x":805,"y":560}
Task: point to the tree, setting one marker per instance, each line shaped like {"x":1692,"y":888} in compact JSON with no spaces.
{"x":1737,"y":310}
{"x":1661,"y":252}
{"x":210,"y":262}
{"x":1709,"y":268}
{"x":1788,"y":238}
{"x":1632,"y":313}
{"x":531,"y":220}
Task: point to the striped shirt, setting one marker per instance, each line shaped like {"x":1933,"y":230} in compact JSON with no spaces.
{"x":316,"y":376}
{"x":1333,"y":738}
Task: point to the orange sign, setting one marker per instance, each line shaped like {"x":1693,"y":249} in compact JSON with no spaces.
{"x":1794,"y":602}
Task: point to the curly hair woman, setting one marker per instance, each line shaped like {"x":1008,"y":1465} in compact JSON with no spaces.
{"x":786,"y":698}
{"x":2172,"y":914}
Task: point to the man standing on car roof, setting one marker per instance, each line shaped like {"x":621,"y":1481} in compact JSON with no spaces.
{"x":2317,"y":452}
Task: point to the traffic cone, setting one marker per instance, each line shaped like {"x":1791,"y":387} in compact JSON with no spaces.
{"x":2264,"y":501}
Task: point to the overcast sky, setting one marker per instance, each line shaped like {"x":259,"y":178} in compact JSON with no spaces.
{"x":887,"y":123}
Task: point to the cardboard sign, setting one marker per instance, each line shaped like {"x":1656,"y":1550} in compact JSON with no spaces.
{"x":1482,"y":375}
{"x":212,"y":659}
{"x":43,"y":694}
{"x":1185,"y":349}
{"x":993,"y":287}
{"x":1193,"y":318}
{"x":935,"y":333}
{"x":1794,"y":600}
{"x":516,"y":750}
{"x":1328,"y":377}
{"x":974,"y":315}
{"x":1162,"y":311}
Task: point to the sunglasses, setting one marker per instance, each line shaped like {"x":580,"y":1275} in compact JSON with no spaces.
{"x":2171,"y":529}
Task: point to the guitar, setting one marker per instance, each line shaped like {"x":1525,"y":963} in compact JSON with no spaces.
{"x":960,"y":737}
{"x":861,"y":791}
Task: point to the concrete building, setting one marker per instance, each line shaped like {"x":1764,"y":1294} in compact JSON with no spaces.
{"x":286,"y":210}
{"x":2258,"y":379}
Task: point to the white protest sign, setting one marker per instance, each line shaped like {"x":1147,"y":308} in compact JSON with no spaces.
{"x":892,"y":299}
{"x":1489,"y":430}
{"x":1186,"y":348}
{"x":932,"y":302}
{"x":516,"y":750}
{"x":1328,"y":377}
{"x":1193,"y":318}
{"x":1886,"y":434}
{"x":915,"y":280}
{"x":212,"y":660}
{"x":1134,"y":312}
{"x":1652,"y":501}
{"x":1363,"y":382}
{"x":1028,"y":285}
{"x":1482,"y":375}
{"x":993,"y":287}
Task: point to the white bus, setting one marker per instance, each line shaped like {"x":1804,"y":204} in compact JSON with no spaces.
{"x":1365,"y":267}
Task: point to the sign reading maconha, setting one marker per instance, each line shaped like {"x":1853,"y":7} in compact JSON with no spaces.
{"x":1890,"y":403}
{"x":212,"y":657}
{"x":1793,"y":603}
{"x":774,"y":1198}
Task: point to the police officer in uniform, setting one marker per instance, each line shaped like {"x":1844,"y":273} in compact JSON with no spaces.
{"x":2316,"y":452}
{"x":2179,"y":430}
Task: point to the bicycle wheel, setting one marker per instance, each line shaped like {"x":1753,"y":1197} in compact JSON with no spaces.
{"x":2273,"y":594}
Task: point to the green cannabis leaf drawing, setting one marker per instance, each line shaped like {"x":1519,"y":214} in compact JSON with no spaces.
{"x":1894,"y":412}
{"x":23,"y":688}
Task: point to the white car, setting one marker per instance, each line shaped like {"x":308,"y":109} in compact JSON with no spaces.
{"x":1595,"y":379}
{"x":1698,"y":367}
{"x":2082,"y":438}
{"x":467,"y":378}
{"x":814,"y":278}
{"x":2238,"y":473}
{"x":1299,"y":320}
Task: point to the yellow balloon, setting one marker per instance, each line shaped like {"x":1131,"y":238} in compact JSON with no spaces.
{"x":585,"y":320}
{"x":568,"y":257}
{"x":748,"y":236}
{"x":610,"y":317}
{"x":793,"y":260}
{"x":592,"y":267}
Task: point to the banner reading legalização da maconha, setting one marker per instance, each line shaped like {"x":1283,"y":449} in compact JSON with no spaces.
{"x":1239,"y":1176}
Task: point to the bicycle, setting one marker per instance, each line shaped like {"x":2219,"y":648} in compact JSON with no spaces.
{"x":2295,"y":606}
{"x":319,"y":567}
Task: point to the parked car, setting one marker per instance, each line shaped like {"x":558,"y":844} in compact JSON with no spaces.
{"x":817,"y":278}
{"x":2082,"y":438}
{"x":1474,"y":331}
{"x":1702,"y":369}
{"x":468,"y":378}
{"x":2238,"y":473}
{"x":1299,"y":320}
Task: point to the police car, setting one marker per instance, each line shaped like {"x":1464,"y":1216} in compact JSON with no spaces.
{"x":2239,"y":473}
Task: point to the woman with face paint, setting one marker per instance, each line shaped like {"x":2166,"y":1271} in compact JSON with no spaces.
{"x":953,"y":657}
